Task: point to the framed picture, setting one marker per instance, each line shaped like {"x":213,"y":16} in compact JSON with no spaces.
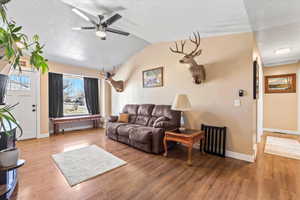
{"x":153,"y":78}
{"x":285,"y":83}
{"x":255,"y":80}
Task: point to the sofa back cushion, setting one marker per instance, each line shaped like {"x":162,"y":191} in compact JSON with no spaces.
{"x":145,"y":109}
{"x":142,"y":120}
{"x":152,"y":120}
{"x":166,"y":111}
{"x":132,"y":110}
{"x":162,"y":110}
{"x":144,"y":114}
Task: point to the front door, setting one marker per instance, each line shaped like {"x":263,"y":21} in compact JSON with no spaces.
{"x":22,"y":89}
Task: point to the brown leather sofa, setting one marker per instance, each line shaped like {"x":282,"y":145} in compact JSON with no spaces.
{"x":146,"y":127}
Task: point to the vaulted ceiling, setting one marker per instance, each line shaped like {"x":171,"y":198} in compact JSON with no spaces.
{"x":168,"y":20}
{"x":53,"y":21}
{"x":276,"y":24}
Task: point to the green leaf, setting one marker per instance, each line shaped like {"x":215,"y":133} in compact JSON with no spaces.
{"x":17,"y":29}
{"x":10,"y":33}
{"x":36,"y":38}
{"x":9,"y":52}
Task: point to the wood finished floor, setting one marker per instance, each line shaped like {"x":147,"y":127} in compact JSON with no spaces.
{"x":149,"y":176}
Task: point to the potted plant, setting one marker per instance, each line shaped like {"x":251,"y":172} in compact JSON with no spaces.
{"x":13,"y":46}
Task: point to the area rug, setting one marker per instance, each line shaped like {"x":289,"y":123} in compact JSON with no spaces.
{"x":285,"y":147}
{"x":82,"y":164}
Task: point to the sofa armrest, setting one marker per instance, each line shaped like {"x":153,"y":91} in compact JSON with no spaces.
{"x":158,"y":135}
{"x":165,"y":125}
{"x":113,"y":119}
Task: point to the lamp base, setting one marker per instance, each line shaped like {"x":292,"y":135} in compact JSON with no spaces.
{"x":182,"y":122}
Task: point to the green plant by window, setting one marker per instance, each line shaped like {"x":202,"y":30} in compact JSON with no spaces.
{"x":14,"y":44}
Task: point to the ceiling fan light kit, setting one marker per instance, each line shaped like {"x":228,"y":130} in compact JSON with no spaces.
{"x":101,"y":34}
{"x":100,"y":27}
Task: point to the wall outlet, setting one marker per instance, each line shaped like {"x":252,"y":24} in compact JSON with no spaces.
{"x":237,"y":102}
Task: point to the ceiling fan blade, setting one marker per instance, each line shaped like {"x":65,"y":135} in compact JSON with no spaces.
{"x":83,"y":15}
{"x":88,"y":28}
{"x":112,"y":19}
{"x":83,"y":28}
{"x":112,"y":30}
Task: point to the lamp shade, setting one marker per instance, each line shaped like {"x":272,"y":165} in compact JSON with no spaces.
{"x":181,"y":103}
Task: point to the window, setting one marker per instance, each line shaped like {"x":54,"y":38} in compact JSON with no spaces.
{"x":19,"y":82}
{"x":73,"y":95}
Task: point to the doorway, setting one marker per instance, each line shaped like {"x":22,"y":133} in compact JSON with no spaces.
{"x":23,"y":89}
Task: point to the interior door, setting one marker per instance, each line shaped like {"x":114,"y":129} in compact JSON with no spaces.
{"x":22,"y":89}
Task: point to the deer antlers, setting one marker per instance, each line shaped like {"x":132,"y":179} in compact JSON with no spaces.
{"x":195,"y":52}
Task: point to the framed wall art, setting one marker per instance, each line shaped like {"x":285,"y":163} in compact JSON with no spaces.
{"x":284,"y":83}
{"x":153,"y":78}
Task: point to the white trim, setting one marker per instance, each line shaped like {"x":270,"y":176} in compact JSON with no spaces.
{"x":260,"y":106}
{"x":282,"y":131}
{"x":42,"y":135}
{"x":38,"y":106}
{"x":240,"y":156}
{"x":298,"y":99}
{"x":236,"y":155}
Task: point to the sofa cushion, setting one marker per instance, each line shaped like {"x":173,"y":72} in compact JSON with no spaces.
{"x":124,"y":130}
{"x":111,"y":129}
{"x":142,"y":120}
{"x":141,"y":134}
{"x":160,"y":119}
{"x":131,"y":109}
{"x":113,"y":126}
{"x":132,"y":119}
{"x":162,"y":110}
{"x":145,"y":109}
{"x":151,"y":120}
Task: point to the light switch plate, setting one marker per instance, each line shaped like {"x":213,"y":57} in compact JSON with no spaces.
{"x":237,"y":102}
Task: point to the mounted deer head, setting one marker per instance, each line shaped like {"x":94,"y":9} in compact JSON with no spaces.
{"x":108,"y":76}
{"x":198,"y":71}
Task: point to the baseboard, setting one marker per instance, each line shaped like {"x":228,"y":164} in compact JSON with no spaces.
{"x":282,"y":131}
{"x":42,"y":135}
{"x":240,"y":156}
{"x":235,"y":155}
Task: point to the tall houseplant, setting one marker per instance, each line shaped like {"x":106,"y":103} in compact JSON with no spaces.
{"x":14,"y":45}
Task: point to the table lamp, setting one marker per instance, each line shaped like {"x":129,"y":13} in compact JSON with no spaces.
{"x":181,"y":103}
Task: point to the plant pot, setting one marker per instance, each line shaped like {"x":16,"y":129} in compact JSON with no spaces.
{"x":3,"y":86}
{"x":9,"y":157}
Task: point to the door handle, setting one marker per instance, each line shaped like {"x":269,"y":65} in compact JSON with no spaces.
{"x":33,"y":110}
{"x":33,"y":106}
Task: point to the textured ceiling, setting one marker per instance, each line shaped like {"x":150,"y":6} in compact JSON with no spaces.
{"x":53,"y":20}
{"x":168,"y":20}
{"x":277,"y":25}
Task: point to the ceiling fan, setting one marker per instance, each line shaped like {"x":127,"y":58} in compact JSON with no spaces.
{"x":102,"y":26}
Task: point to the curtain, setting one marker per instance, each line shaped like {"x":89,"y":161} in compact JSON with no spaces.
{"x":55,"y":95}
{"x":91,"y":92}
